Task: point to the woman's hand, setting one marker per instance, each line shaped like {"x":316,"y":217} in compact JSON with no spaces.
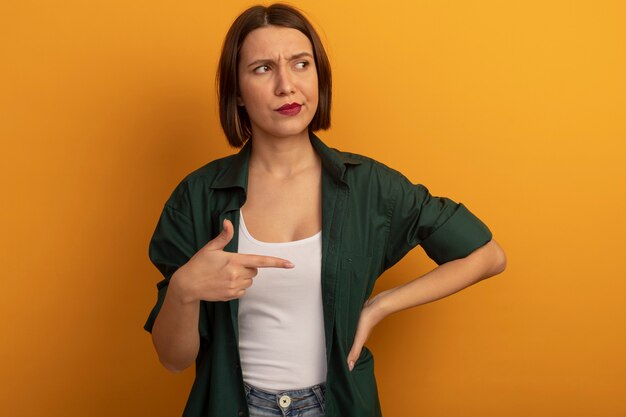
{"x":214,"y":275}
{"x":444,"y":280}
{"x":371,"y":315}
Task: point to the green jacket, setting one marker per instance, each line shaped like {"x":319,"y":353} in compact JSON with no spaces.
{"x":371,"y":217}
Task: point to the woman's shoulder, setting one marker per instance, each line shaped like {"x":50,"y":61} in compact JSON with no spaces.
{"x":368,"y":164}
{"x":210,"y":171}
{"x":198,"y":185}
{"x":357,"y":164}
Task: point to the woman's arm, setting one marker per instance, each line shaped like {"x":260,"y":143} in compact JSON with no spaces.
{"x":446,"y":279}
{"x":175,"y":332}
{"x":210,"y":275}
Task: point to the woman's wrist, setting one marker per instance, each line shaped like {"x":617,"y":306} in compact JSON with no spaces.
{"x":179,"y":288}
{"x":380,"y":305}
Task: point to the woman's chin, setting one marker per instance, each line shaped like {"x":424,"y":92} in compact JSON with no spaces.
{"x":287,"y":133}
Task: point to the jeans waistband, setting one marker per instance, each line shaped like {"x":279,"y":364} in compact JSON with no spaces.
{"x":287,"y":399}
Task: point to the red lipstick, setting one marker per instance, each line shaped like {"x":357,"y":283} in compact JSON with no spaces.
{"x":290,"y":109}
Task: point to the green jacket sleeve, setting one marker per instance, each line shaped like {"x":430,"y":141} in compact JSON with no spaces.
{"x":445,"y":229}
{"x":171,"y":246}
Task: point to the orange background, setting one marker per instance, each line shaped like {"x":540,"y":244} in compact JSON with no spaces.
{"x":516,"y":109}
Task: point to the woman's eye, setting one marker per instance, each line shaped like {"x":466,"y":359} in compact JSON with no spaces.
{"x":262,"y":69}
{"x":302,"y":64}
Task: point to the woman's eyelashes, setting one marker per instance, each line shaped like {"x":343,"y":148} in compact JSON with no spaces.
{"x":262,"y":69}
{"x":302,"y":64}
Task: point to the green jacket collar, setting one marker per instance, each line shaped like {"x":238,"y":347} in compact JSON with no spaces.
{"x":236,"y":174}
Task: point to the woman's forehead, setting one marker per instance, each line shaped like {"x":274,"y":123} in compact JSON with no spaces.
{"x":273,"y":42}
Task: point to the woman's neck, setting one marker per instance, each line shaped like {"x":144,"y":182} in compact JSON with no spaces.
{"x":282,"y":157}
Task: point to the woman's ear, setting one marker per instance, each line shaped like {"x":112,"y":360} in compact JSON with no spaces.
{"x":240,"y":101}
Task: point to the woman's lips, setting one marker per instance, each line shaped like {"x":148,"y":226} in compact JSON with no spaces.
{"x":290,"y":109}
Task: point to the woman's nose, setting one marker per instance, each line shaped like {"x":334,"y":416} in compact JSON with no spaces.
{"x":284,"y":82}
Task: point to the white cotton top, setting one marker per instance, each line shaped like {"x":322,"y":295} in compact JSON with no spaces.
{"x":281,"y":321}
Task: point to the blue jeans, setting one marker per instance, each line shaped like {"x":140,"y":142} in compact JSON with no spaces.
{"x":306,"y":402}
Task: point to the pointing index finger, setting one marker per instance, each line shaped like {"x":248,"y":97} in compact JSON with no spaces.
{"x":261,"y":261}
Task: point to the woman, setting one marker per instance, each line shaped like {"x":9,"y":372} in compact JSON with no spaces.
{"x":270,"y":255}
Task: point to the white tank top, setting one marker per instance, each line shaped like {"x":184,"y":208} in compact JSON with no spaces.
{"x":281,"y":321}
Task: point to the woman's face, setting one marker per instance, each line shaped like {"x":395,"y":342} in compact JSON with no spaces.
{"x":277,"y":69}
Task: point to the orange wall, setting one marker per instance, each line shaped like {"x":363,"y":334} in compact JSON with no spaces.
{"x":516,"y":109}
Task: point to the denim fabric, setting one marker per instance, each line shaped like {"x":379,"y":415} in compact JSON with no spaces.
{"x":306,"y":402}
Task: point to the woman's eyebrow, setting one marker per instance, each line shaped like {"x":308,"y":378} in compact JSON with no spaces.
{"x":295,"y":56}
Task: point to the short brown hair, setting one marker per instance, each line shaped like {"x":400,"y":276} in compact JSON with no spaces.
{"x":234,"y":119}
